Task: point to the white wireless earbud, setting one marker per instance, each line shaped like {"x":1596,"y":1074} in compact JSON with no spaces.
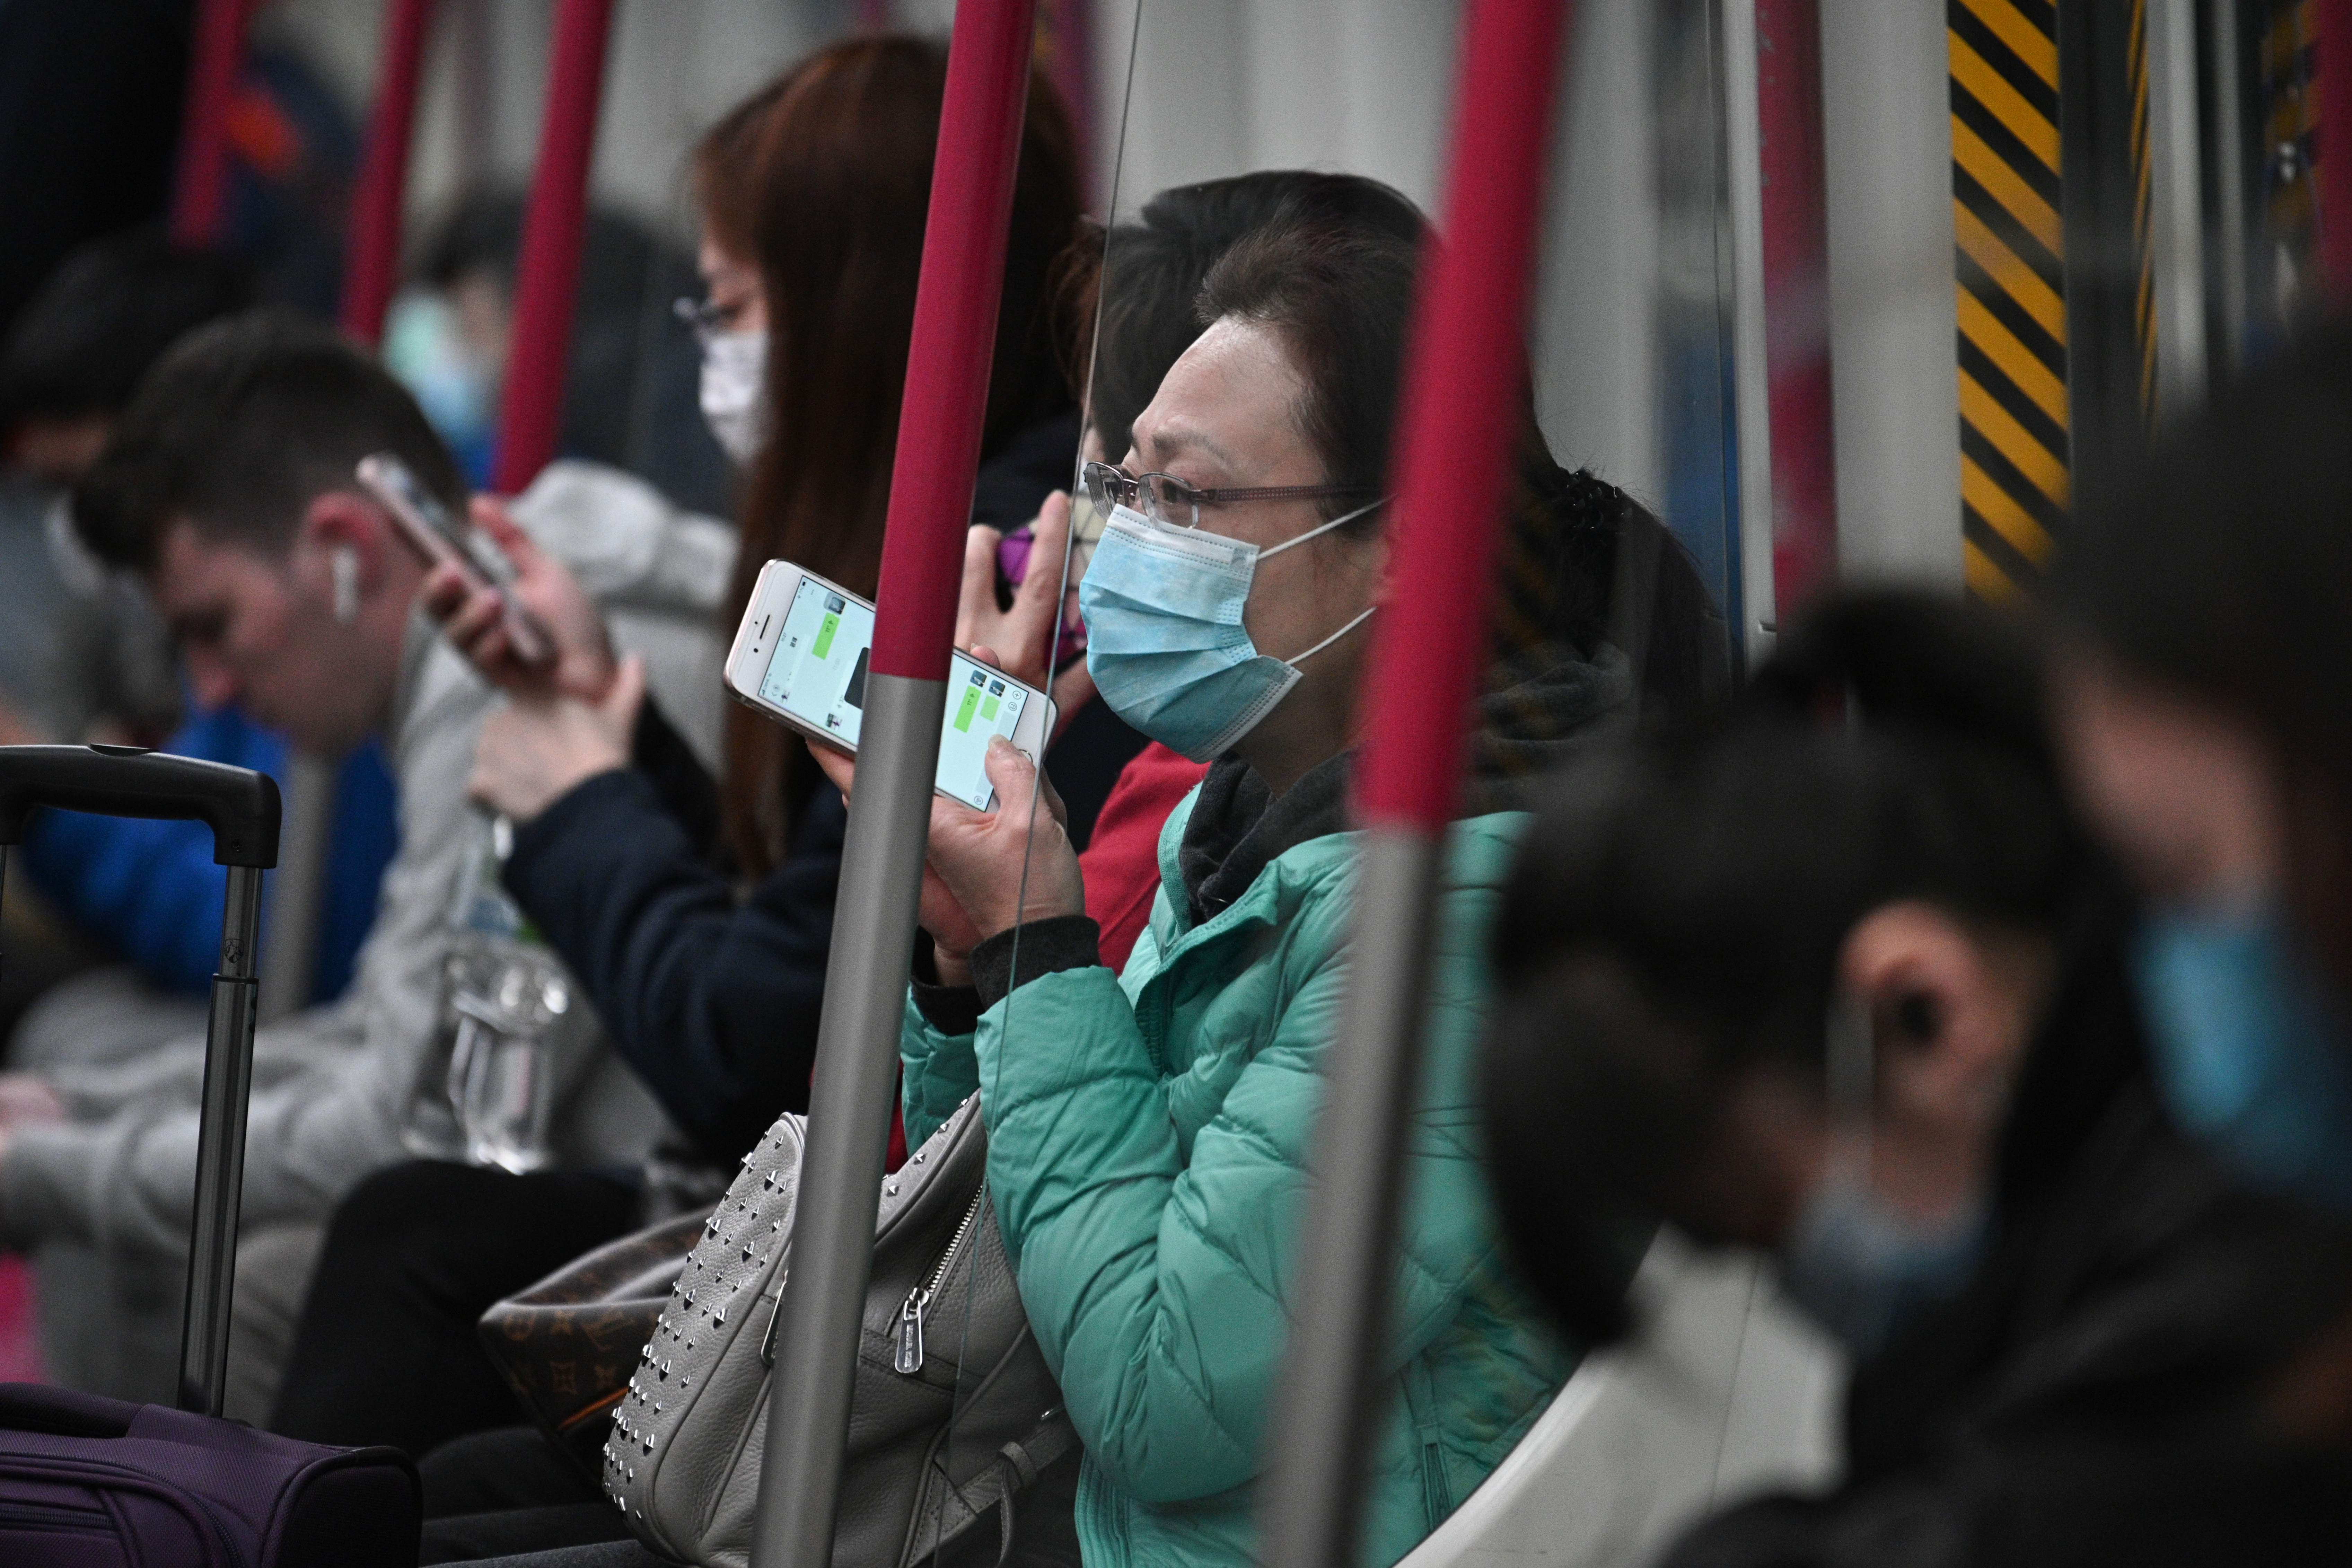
{"x":345,"y":564}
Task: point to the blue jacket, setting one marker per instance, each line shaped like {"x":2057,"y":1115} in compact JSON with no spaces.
{"x":151,"y":887}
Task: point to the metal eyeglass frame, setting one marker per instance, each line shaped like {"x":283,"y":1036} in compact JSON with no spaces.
{"x":1163,"y":494}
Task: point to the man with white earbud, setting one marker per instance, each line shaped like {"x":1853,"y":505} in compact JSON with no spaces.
{"x":228,"y":486}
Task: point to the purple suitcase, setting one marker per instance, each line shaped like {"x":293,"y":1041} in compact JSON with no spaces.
{"x":87,"y":1482}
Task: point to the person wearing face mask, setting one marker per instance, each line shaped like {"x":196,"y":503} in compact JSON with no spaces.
{"x":2205,"y":703}
{"x":1148,"y":1128}
{"x":2203,"y":700}
{"x":695,"y":913}
{"x":1842,"y":978}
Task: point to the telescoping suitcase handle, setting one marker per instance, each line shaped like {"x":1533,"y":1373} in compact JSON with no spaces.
{"x":241,"y":807}
{"x":238,"y":804}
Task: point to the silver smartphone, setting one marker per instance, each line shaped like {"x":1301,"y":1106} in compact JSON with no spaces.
{"x":440,"y":539}
{"x":800,"y":657}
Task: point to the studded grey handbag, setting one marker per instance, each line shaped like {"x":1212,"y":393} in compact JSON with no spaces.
{"x":953,"y":1412}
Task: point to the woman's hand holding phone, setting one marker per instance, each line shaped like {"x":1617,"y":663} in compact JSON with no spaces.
{"x":473,"y":617}
{"x":973,"y":870}
{"x":1024,"y":634}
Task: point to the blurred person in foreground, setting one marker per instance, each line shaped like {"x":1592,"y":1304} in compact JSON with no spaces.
{"x":2204,"y":700}
{"x":1842,"y":978}
{"x":227,"y":485}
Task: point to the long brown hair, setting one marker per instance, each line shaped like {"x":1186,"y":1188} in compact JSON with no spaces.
{"x":824,"y":178}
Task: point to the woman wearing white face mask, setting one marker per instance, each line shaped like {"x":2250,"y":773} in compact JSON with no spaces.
{"x":696,"y":913}
{"x":730,"y":322}
{"x":1148,"y":1129}
{"x":1842,"y":978}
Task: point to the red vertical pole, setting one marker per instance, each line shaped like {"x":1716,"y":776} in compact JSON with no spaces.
{"x":1457,"y":426}
{"x":1459,"y":417}
{"x":547,"y":277}
{"x":372,"y":249}
{"x":1796,"y":298}
{"x":200,"y":189}
{"x":2333,"y":169}
{"x":953,"y":341}
{"x":948,"y":361}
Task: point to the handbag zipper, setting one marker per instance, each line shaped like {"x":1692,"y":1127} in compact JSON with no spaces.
{"x":910,"y":1358}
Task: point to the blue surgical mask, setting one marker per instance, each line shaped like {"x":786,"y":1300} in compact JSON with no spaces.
{"x":1863,"y":1269}
{"x":426,"y":349}
{"x":1165,"y":642}
{"x":2243,"y":1055}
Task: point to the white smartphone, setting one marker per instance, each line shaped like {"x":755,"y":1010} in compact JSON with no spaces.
{"x":800,"y":657}
{"x":440,"y":539}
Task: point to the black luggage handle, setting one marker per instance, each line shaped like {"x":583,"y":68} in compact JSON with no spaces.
{"x":240,"y":805}
{"x":242,"y":808}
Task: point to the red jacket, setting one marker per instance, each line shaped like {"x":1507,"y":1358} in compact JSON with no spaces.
{"x":1121,"y":863}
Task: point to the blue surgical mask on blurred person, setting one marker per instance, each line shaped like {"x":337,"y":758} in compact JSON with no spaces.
{"x":424,"y":348}
{"x":735,"y":391}
{"x":1863,"y":1270}
{"x":1165,"y":643}
{"x":2244,"y":1056}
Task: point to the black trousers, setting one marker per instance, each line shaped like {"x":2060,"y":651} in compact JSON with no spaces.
{"x":386,"y":1351}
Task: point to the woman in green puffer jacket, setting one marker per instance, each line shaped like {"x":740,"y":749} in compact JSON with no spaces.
{"x":1148,"y":1131}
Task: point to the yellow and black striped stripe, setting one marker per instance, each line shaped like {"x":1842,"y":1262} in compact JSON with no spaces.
{"x":2010,"y":257}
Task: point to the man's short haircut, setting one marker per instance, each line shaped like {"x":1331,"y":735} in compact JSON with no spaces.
{"x":109,"y":312}
{"x":240,"y":428}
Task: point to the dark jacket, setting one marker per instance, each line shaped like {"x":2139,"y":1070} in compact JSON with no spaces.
{"x":2094,"y":1394}
{"x":712,"y":998}
{"x":712,"y":1002}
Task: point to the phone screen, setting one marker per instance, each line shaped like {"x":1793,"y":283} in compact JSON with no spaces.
{"x":817,"y":674}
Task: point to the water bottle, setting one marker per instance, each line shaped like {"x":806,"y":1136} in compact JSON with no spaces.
{"x":486,"y":1092}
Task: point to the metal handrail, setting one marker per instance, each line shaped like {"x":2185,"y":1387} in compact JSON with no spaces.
{"x":1457,"y":426}
{"x":939,"y":422}
{"x":372,"y":249}
{"x":547,"y":275}
{"x":200,"y":182}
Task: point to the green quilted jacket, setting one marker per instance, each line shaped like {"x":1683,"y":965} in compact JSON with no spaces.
{"x":1148,"y":1141}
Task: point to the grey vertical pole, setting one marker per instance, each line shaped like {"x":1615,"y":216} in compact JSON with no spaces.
{"x":1887,"y":127}
{"x":2228,"y":165}
{"x":1750,"y":364}
{"x":948,"y":361}
{"x":1330,"y":1410}
{"x":849,"y":1114}
{"x":220,"y":1150}
{"x":304,"y":849}
{"x":2176,"y":204}
{"x":1455,"y":432}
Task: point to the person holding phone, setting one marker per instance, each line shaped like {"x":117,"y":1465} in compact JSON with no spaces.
{"x":1148,"y":1129}
{"x":226,"y":486}
{"x":696,"y":911}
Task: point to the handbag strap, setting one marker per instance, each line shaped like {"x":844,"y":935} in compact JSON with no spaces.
{"x":1018,"y":1466}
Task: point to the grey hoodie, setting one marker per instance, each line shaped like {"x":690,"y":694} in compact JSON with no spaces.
{"x":333,"y":1083}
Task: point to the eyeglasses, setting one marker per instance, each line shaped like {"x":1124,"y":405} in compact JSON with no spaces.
{"x":1165,"y":498}
{"x":708,"y":317}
